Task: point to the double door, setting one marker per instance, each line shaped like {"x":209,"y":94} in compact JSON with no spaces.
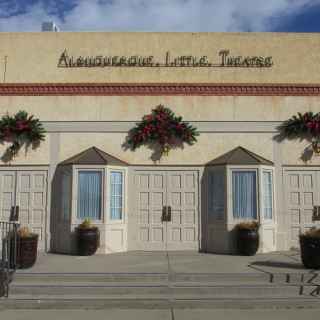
{"x":24,"y":194}
{"x":167,"y":212}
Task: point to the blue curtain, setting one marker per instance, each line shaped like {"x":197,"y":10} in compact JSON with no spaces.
{"x":244,"y":194}
{"x":267,"y":194}
{"x":116,"y":181}
{"x":89,"y":195}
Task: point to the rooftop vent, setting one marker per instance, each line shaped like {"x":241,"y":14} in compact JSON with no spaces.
{"x":49,"y":26}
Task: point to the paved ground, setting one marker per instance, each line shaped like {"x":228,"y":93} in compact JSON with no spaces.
{"x":180,"y":262}
{"x":160,"y":314}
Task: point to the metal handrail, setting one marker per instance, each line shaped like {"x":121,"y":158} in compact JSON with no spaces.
{"x":8,"y":238}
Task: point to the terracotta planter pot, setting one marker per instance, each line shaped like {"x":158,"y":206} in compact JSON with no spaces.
{"x":247,"y":242}
{"x":310,"y":251}
{"x":27,"y":249}
{"x":88,"y":241}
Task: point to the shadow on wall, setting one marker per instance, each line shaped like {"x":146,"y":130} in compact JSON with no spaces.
{"x":62,"y":239}
{"x":215,"y":236}
{"x":307,"y":154}
{"x":56,"y":209}
{"x":204,"y":214}
{"x":12,"y":151}
{"x":155,"y":148}
{"x":308,"y":151}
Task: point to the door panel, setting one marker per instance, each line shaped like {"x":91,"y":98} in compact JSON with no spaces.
{"x":32,"y":201}
{"x":177,"y":189}
{"x":182,"y":197}
{"x":7,"y":193}
{"x":302,"y":194}
{"x":151,"y":193}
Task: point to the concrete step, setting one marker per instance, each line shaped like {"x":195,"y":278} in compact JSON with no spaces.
{"x":87,"y":289}
{"x":21,"y":277}
{"x":217,"y":278}
{"x":177,"y":290}
{"x":246,"y":278}
{"x":158,"y":290}
{"x":148,"y":303}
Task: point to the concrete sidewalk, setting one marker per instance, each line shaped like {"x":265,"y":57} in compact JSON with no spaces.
{"x":178,"y":262}
{"x":186,"y":314}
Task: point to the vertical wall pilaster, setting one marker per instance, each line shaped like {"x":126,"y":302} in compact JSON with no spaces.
{"x":54,"y":147}
{"x":282,"y":242}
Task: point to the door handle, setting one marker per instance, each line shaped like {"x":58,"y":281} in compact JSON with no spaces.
{"x":316,"y":213}
{"x":14,"y":213}
{"x":17,"y":213}
{"x":169,"y":213}
{"x":164,"y":214}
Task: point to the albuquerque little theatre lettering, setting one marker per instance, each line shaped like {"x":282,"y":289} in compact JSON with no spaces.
{"x":224,"y":57}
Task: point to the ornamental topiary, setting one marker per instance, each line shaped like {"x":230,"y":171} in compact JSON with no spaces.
{"x":20,"y":129}
{"x":163,"y":130}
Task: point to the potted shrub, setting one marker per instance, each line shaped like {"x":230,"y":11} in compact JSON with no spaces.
{"x":310,"y":248}
{"x":247,"y":237}
{"x":27,"y":248}
{"x":88,"y":238}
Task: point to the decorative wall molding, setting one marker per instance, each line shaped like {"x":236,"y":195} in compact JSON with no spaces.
{"x":125,"y":126}
{"x":157,"y":89}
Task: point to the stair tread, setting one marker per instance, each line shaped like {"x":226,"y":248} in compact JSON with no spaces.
{"x":151,"y":297}
{"x":160,"y":284}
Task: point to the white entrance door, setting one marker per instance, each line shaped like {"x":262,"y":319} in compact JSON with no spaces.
{"x":27,"y":191}
{"x":157,"y":191}
{"x":302,"y":194}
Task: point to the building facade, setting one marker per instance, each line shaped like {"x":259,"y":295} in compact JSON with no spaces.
{"x":89,"y":90}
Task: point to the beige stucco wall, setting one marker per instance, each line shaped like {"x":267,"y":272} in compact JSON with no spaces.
{"x":192,"y":108}
{"x":132,"y":108}
{"x":208,"y":147}
{"x":33,"y":57}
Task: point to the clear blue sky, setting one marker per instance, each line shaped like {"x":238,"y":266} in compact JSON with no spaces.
{"x":162,"y":15}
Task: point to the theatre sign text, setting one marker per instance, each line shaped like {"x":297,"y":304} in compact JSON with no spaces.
{"x":224,"y":59}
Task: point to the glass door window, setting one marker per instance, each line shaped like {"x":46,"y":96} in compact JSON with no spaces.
{"x":244,"y":194}
{"x":89,"y":195}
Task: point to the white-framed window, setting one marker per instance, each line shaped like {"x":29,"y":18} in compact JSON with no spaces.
{"x":244,"y":194}
{"x":90,"y":194}
{"x":267,"y":183}
{"x":66,"y":189}
{"x":216,"y":195}
{"x":116,"y":194}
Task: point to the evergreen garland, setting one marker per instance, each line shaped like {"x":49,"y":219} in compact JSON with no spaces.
{"x":20,"y":129}
{"x":164,"y":128}
{"x":302,"y":126}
